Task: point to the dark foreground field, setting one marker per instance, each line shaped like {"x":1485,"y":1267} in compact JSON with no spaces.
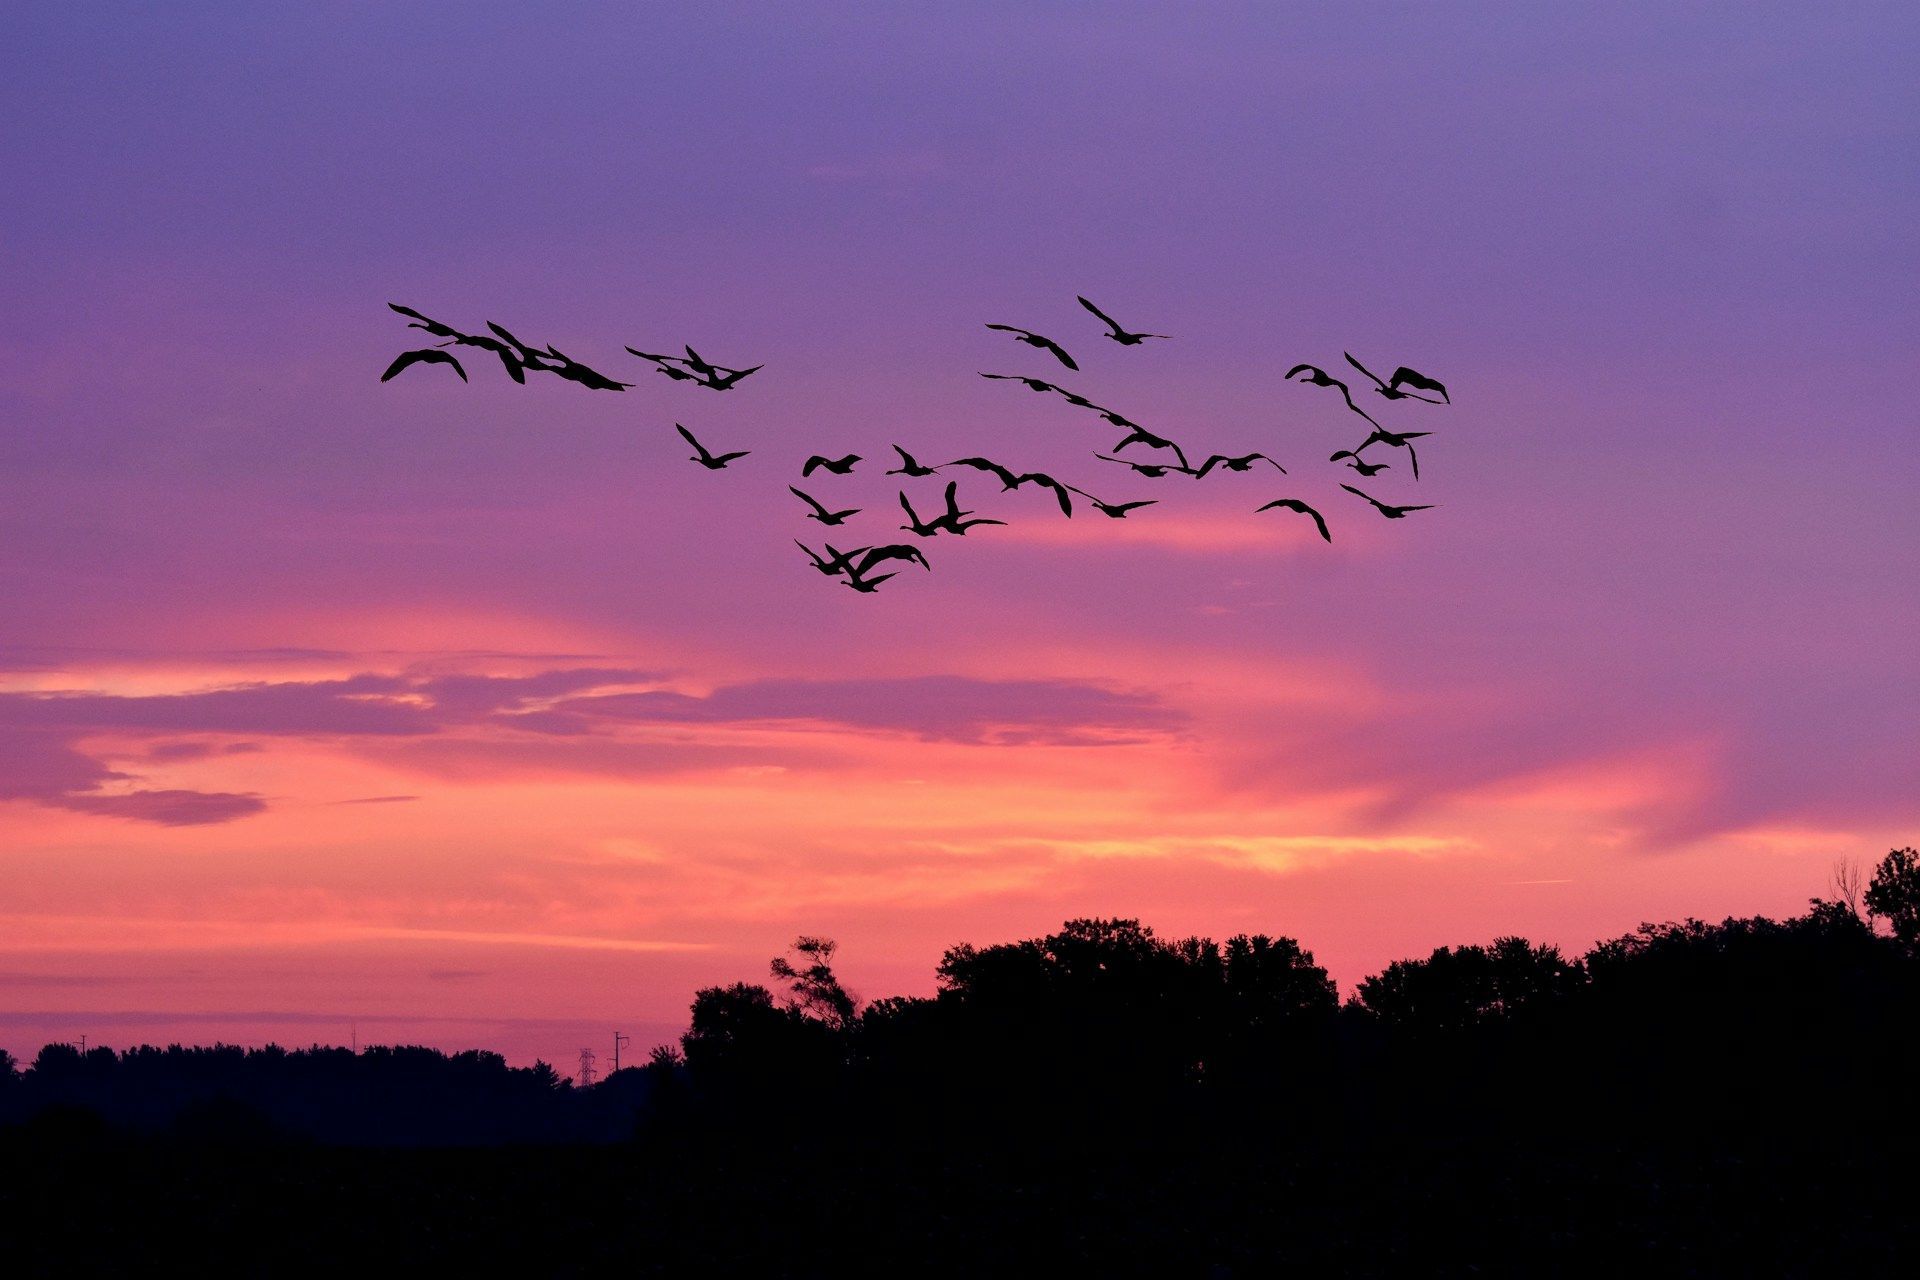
{"x":1808,"y":1208}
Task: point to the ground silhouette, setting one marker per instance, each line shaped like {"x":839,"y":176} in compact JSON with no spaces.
{"x":1689,"y":1098}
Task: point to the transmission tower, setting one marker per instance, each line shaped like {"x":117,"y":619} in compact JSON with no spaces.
{"x":619,"y":1042}
{"x":587,"y":1059}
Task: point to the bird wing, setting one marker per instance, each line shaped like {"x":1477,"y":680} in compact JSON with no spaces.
{"x":808,"y":467}
{"x":1317,"y":372}
{"x":1208,"y":465}
{"x":514,"y":368}
{"x":733,"y":376}
{"x":1362,"y":368}
{"x":512,"y":341}
{"x":1404,"y":376}
{"x":1375,"y":501}
{"x":1098,"y":312}
{"x":432,"y":326}
{"x":428,"y":355}
{"x":809,"y":501}
{"x":725,"y":458}
{"x":688,"y":437}
{"x":1129,"y":506}
{"x":1059,"y":352}
{"x":1048,"y":482}
{"x":1007,"y":328}
{"x":892,"y":551}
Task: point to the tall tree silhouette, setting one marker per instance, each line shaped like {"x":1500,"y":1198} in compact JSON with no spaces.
{"x":1893,"y":894}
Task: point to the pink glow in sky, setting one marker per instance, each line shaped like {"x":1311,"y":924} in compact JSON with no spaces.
{"x":475,"y":715}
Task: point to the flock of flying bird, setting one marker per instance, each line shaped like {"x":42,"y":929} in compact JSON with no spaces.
{"x":855,"y":568}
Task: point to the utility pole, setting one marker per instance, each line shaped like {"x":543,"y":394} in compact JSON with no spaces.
{"x":618,"y":1042}
{"x":586,"y":1068}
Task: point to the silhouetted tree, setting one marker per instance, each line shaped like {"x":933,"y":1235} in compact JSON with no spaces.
{"x":1893,"y":894}
{"x":732,"y":1025}
{"x":813,"y":990}
{"x":1460,"y":987}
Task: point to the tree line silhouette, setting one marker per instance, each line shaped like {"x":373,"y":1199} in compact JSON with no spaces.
{"x":1686,"y":1024}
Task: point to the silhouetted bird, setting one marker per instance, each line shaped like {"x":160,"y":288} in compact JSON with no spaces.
{"x":865,"y":585}
{"x":841,"y":562}
{"x":839,"y":466}
{"x":455,"y":337}
{"x":820,"y":513}
{"x":529,"y":357}
{"x":1113,"y":510}
{"x":1321,"y":378}
{"x":573,"y":371}
{"x":1119,"y":335}
{"x":1113,"y":416}
{"x":705,"y":459}
{"x":1152,"y":470}
{"x":432,"y":326}
{"x":725,"y":382}
{"x":1032,"y":384}
{"x":908,"y":466}
{"x":1140,"y":435}
{"x":1236,"y":464}
{"x":1391,"y":513}
{"x":427,"y":355}
{"x":669,"y":365}
{"x":1391,"y":387}
{"x":953,"y":521}
{"x":508,"y":360}
{"x":1392,"y":439}
{"x":892,"y":551}
{"x":1294,"y":504}
{"x":718,"y":377}
{"x":1007,"y":479}
{"x":1048,"y":482}
{"x":1366,"y":468}
{"x":1033,"y":339}
{"x":914,"y":523}
{"x":1404,"y":376}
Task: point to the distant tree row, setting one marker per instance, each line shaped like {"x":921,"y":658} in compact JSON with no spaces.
{"x":1104,"y":1030}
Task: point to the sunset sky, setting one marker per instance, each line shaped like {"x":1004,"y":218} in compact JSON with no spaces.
{"x":477,"y":715}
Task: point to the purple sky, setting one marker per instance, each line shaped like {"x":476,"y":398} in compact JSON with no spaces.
{"x":1654,"y":645}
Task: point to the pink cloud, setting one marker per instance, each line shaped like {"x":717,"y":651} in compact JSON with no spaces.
{"x":934,"y":708}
